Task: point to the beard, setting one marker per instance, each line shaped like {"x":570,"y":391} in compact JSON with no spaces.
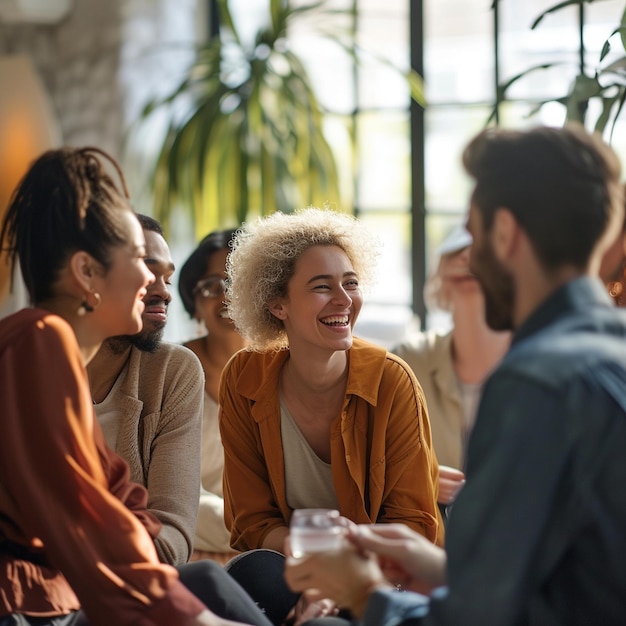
{"x":146,"y":341}
{"x":497,"y":286}
{"x":499,"y":310}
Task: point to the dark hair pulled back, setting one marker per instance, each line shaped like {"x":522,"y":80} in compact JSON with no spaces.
{"x":66,"y":202}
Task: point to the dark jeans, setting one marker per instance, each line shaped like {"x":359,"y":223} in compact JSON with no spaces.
{"x":205,"y":579}
{"x":261,"y":574}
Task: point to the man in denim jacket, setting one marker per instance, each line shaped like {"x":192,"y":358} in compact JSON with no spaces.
{"x":537,"y":534}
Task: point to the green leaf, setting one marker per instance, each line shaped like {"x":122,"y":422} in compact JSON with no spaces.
{"x":617,"y":67}
{"x":603,"y":118}
{"x":558,"y":7}
{"x":620,"y":106}
{"x":585,"y":88}
{"x":226,"y":19}
{"x":504,"y":87}
{"x":276,"y":13}
{"x":250,"y":137}
{"x":314,"y":6}
{"x":415,"y":81}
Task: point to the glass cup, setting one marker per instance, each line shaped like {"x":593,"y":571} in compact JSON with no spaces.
{"x":315,"y":530}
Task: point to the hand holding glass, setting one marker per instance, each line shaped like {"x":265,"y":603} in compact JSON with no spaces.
{"x":315,"y":530}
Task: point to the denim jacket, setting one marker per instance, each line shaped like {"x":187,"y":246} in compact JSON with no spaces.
{"x":538,"y":534}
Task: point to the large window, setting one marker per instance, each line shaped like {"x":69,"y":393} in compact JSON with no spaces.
{"x":468,"y":48}
{"x":369,"y":126}
{"x":400,"y":165}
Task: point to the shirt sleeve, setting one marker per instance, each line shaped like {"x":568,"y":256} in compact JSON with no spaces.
{"x":251,"y":509}
{"x":393,"y":608}
{"x":132,"y":495}
{"x":175,"y":459}
{"x":517,"y":457}
{"x":409,"y":488}
{"x":60,"y":493}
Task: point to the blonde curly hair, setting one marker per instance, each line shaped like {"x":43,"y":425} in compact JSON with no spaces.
{"x":263,"y":258}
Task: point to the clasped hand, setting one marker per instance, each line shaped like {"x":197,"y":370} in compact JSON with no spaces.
{"x":373,"y":557}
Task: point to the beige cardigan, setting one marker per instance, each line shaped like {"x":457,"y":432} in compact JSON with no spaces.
{"x":161,"y":399}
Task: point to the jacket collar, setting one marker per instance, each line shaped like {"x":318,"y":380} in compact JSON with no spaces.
{"x":259,"y":377}
{"x":581,"y":294}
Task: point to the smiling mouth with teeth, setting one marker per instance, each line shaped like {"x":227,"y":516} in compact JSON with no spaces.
{"x":336,"y":321}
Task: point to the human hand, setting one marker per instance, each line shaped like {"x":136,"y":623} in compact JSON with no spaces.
{"x":347,"y":576}
{"x":451,"y":481}
{"x":405,"y":557}
{"x":306,"y":609}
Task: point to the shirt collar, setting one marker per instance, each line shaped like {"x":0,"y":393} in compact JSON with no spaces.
{"x":365,"y":370}
{"x":579,"y":294}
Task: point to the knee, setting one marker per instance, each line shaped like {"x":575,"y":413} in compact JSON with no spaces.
{"x":202,"y":568}
{"x":202,"y":575}
{"x":256,"y":560}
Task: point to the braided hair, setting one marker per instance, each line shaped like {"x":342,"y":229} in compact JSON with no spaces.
{"x":66,"y":202}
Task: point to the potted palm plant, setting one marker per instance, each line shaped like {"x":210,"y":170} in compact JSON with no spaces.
{"x":250,"y":140}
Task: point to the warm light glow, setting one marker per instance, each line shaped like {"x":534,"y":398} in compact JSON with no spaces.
{"x":28,"y":127}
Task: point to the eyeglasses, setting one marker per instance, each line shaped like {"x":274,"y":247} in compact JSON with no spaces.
{"x":212,"y":287}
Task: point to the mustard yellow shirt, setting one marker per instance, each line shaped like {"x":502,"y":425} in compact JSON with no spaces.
{"x":383,"y":465}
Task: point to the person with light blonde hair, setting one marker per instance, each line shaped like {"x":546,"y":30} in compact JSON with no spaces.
{"x":310,"y":416}
{"x":264,"y":257}
{"x":536,"y":537}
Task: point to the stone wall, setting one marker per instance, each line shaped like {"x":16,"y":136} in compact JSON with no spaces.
{"x":100,"y":65}
{"x":78,"y":60}
{"x":104,"y":58}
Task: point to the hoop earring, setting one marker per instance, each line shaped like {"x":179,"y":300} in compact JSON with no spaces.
{"x":617,"y":288}
{"x":85,"y":307}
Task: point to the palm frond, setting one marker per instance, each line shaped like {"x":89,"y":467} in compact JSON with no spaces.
{"x":245,"y":134}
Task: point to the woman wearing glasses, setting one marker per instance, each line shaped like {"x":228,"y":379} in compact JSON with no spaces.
{"x":201,"y":287}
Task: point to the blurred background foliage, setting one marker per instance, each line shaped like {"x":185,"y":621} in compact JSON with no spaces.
{"x":603,"y":79}
{"x":245,"y":132}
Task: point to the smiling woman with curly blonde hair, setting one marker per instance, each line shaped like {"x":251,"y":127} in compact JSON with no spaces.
{"x":310,"y":416}
{"x":264,"y":257}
